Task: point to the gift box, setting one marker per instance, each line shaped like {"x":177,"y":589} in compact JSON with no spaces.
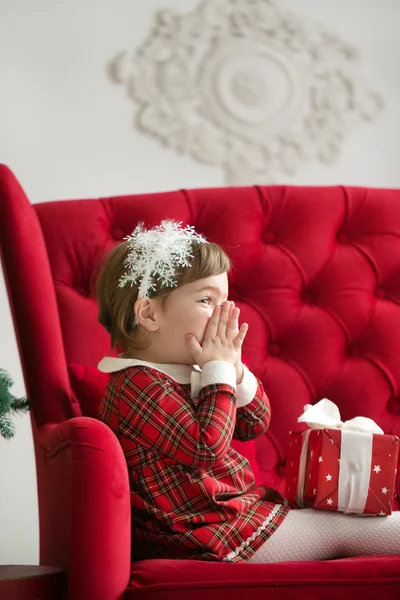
{"x":348,"y":467}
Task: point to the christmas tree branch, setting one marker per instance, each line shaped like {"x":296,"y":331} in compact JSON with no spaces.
{"x":9,"y":404}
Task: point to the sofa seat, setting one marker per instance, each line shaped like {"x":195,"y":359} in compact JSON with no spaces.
{"x":367,"y":577}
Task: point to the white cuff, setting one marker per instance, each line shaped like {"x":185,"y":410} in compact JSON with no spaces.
{"x":247,"y":389}
{"x":218,"y":371}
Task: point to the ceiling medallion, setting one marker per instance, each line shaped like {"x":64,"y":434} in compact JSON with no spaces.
{"x":248,"y":86}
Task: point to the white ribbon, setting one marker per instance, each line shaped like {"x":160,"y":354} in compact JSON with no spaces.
{"x":355,"y":453}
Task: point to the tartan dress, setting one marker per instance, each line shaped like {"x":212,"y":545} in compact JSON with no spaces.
{"x":192,"y":495}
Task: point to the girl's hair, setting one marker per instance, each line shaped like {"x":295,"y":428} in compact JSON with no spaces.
{"x":116,"y":304}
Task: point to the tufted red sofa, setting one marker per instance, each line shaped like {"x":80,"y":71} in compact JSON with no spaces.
{"x":317,"y":277}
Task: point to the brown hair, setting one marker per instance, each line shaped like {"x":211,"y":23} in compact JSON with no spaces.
{"x":116,"y":304}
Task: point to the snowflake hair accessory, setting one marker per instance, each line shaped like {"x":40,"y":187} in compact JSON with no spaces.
{"x":156,"y":254}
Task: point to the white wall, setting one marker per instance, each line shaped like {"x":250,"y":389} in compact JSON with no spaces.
{"x":67,"y":131}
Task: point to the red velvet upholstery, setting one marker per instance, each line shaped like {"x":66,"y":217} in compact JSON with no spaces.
{"x":317,"y":277}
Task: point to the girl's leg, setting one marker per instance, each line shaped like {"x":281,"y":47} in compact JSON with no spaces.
{"x":310,"y":534}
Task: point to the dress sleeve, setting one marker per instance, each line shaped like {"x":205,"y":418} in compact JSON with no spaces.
{"x":254,"y":411}
{"x":154,"y":414}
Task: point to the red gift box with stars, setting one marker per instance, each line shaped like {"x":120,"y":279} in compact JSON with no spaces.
{"x":344,"y":471}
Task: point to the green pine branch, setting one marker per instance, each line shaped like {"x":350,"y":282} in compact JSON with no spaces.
{"x":7,"y":429}
{"x":9,"y":404}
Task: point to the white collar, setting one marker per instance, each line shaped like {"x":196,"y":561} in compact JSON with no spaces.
{"x":181,"y":373}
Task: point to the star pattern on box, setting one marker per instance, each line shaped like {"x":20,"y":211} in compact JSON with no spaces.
{"x":326,"y":488}
{"x":247,"y":86}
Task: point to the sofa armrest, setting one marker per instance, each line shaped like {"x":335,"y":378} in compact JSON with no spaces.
{"x":84,"y":505}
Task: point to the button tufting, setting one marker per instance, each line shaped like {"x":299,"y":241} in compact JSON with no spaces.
{"x":281,"y":469}
{"x":268,"y":237}
{"x":393,"y":405}
{"x":306,"y":297}
{"x":342,"y":238}
{"x":381,"y":293}
{"x":117,"y":234}
{"x":274,"y":349}
{"x":354,"y":351}
{"x":83,"y":291}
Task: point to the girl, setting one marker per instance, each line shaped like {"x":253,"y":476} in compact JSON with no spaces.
{"x":179,"y":394}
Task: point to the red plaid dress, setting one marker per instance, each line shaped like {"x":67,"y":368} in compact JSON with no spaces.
{"x":192,"y":495}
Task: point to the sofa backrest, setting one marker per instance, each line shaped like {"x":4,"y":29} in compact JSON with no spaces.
{"x":316,"y":275}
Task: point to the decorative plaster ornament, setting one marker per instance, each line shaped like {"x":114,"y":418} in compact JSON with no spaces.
{"x":248,"y":86}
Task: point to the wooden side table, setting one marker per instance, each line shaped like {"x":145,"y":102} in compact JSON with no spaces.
{"x":23,"y":582}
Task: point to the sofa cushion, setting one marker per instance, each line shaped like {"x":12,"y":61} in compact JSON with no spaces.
{"x":179,"y":580}
{"x":88,"y":385}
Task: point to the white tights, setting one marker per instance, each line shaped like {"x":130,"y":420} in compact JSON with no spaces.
{"x":310,"y":534}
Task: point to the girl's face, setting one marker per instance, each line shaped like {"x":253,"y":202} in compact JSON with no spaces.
{"x":188,"y":309}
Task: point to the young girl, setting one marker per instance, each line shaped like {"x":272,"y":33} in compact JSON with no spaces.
{"x":177,"y":397}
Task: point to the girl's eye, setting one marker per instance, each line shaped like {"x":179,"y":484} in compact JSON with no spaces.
{"x":206,"y":300}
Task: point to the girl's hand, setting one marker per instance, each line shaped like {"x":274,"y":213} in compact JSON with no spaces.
{"x":238,"y":365}
{"x":222,"y":340}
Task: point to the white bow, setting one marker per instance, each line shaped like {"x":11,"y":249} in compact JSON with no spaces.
{"x":325,"y":414}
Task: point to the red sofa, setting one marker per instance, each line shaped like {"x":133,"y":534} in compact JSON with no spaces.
{"x":317,"y":277}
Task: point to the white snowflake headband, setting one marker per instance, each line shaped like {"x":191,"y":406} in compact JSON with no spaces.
{"x":156,"y":254}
